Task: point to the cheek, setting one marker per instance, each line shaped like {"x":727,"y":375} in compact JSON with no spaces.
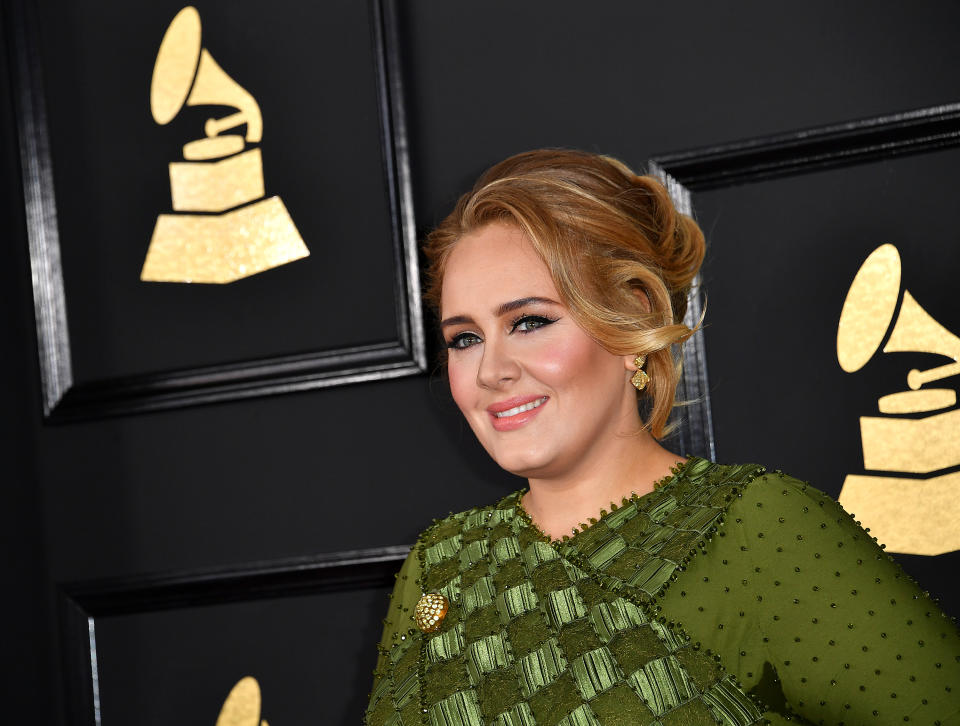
{"x":577,"y":362}
{"x":462,"y":377}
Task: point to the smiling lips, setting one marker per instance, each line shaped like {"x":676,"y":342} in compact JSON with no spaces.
{"x":515,"y":412}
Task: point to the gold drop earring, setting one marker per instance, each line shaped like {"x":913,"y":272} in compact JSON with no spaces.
{"x":640,"y":378}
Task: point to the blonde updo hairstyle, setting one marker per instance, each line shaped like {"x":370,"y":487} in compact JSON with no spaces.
{"x":605,"y":234}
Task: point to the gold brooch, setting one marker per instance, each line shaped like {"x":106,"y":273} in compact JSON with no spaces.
{"x":430,"y":611}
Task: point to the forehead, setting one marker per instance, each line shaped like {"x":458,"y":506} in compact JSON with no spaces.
{"x":490,"y":266}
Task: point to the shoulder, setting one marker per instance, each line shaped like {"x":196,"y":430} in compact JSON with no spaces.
{"x":448,"y":532}
{"x":778,"y":511}
{"x":773,"y":492}
{"x":751,"y":482}
{"x":752,"y":494}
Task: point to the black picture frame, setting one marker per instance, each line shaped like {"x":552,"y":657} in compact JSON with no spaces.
{"x":82,"y":604}
{"x":769,"y":157}
{"x":65,"y":400}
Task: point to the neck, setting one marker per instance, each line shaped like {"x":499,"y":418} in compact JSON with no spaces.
{"x":629,"y":465}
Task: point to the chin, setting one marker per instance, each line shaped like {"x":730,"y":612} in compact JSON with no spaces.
{"x":527,"y":463}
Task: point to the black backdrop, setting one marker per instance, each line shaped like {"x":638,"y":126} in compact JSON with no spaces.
{"x":251,"y":484}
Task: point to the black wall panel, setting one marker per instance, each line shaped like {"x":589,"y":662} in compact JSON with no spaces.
{"x":369,"y":465}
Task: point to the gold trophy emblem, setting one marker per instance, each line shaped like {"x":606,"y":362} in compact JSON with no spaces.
{"x":242,"y":707}
{"x":916,"y":515}
{"x":223,"y":229}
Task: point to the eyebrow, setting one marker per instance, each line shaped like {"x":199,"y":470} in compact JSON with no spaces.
{"x":507,"y":307}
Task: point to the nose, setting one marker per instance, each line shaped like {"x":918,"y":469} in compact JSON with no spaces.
{"x":497,"y":366}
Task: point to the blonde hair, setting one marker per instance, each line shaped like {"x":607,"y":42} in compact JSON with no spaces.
{"x":605,"y":234}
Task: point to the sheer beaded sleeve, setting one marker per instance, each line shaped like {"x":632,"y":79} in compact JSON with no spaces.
{"x":814,"y":618}
{"x":403,"y":600}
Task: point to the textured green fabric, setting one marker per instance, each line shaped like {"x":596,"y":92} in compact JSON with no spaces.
{"x":729,"y":595}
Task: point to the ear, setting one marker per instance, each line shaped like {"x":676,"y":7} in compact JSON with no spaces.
{"x":630,"y":363}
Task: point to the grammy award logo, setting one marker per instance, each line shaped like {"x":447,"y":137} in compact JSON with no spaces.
{"x":919,"y":431}
{"x":242,"y":707}
{"x":223,"y":228}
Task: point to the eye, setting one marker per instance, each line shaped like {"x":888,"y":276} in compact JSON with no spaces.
{"x":529,"y":323}
{"x":463,"y":340}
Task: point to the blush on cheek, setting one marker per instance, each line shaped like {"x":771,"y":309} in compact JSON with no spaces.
{"x":571,"y":360}
{"x":462,"y":383}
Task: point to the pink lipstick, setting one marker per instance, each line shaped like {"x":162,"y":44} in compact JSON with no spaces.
{"x":515,"y":412}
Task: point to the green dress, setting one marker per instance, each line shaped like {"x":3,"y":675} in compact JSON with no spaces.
{"x":727,"y":595}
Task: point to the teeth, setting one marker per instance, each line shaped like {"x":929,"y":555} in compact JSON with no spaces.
{"x":520,"y":409}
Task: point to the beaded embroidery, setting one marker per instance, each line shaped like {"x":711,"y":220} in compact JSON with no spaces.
{"x":575,"y":633}
{"x":564,"y":633}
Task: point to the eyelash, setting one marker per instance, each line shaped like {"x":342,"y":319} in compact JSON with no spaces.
{"x":458,"y":341}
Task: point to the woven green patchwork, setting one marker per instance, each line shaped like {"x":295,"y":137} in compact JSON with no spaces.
{"x":636,"y":647}
{"x":382,"y":707}
{"x":407,"y":659}
{"x":592,"y":538}
{"x":578,"y":637}
{"x":451,"y":590}
{"x":510,"y":573}
{"x":459,"y":709}
{"x":635,"y":528}
{"x":607,"y":551}
{"x":541,"y":667}
{"x":519,"y":715}
{"x":703,"y":670}
{"x":407,"y":690}
{"x":558,"y":634}
{"x":527,"y":632}
{"x":652,"y":576}
{"x":503,"y":529}
{"x":723,"y":699}
{"x":449,"y":527}
{"x":693,"y":713}
{"x":410,"y":713}
{"x":662,"y":684}
{"x":671,"y":637}
{"x":609,"y":618}
{"x":580,"y":716}
{"x":553,"y":702}
{"x":505,"y":550}
{"x":536,"y":553}
{"x":498,"y":692}
{"x":593,"y":593}
{"x":483,"y":622}
{"x":443,"y":679}
{"x":441,"y":574}
{"x":564,"y":606}
{"x":442,"y":550}
{"x":550,"y":577}
{"x":678,"y":547}
{"x":661,"y":509}
{"x":487,"y":654}
{"x":446,"y":645}
{"x":517,"y":600}
{"x":477,"y":595}
{"x":594,"y":672}
{"x":527,"y":536}
{"x":474,"y":573}
{"x":621,"y":706}
{"x":629,"y":561}
{"x":473,"y":552}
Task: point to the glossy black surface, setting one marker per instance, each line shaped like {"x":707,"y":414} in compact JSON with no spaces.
{"x":230,"y":485}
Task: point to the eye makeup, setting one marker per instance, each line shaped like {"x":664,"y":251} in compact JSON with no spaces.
{"x":527,"y":323}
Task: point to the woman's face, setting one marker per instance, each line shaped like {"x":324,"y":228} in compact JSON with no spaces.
{"x":541,"y":395}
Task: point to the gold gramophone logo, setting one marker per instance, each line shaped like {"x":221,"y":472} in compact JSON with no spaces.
{"x":223,"y":228}
{"x":919,"y":431}
{"x":242,"y":707}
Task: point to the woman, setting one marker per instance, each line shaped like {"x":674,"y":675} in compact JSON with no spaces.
{"x":626,"y":585}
